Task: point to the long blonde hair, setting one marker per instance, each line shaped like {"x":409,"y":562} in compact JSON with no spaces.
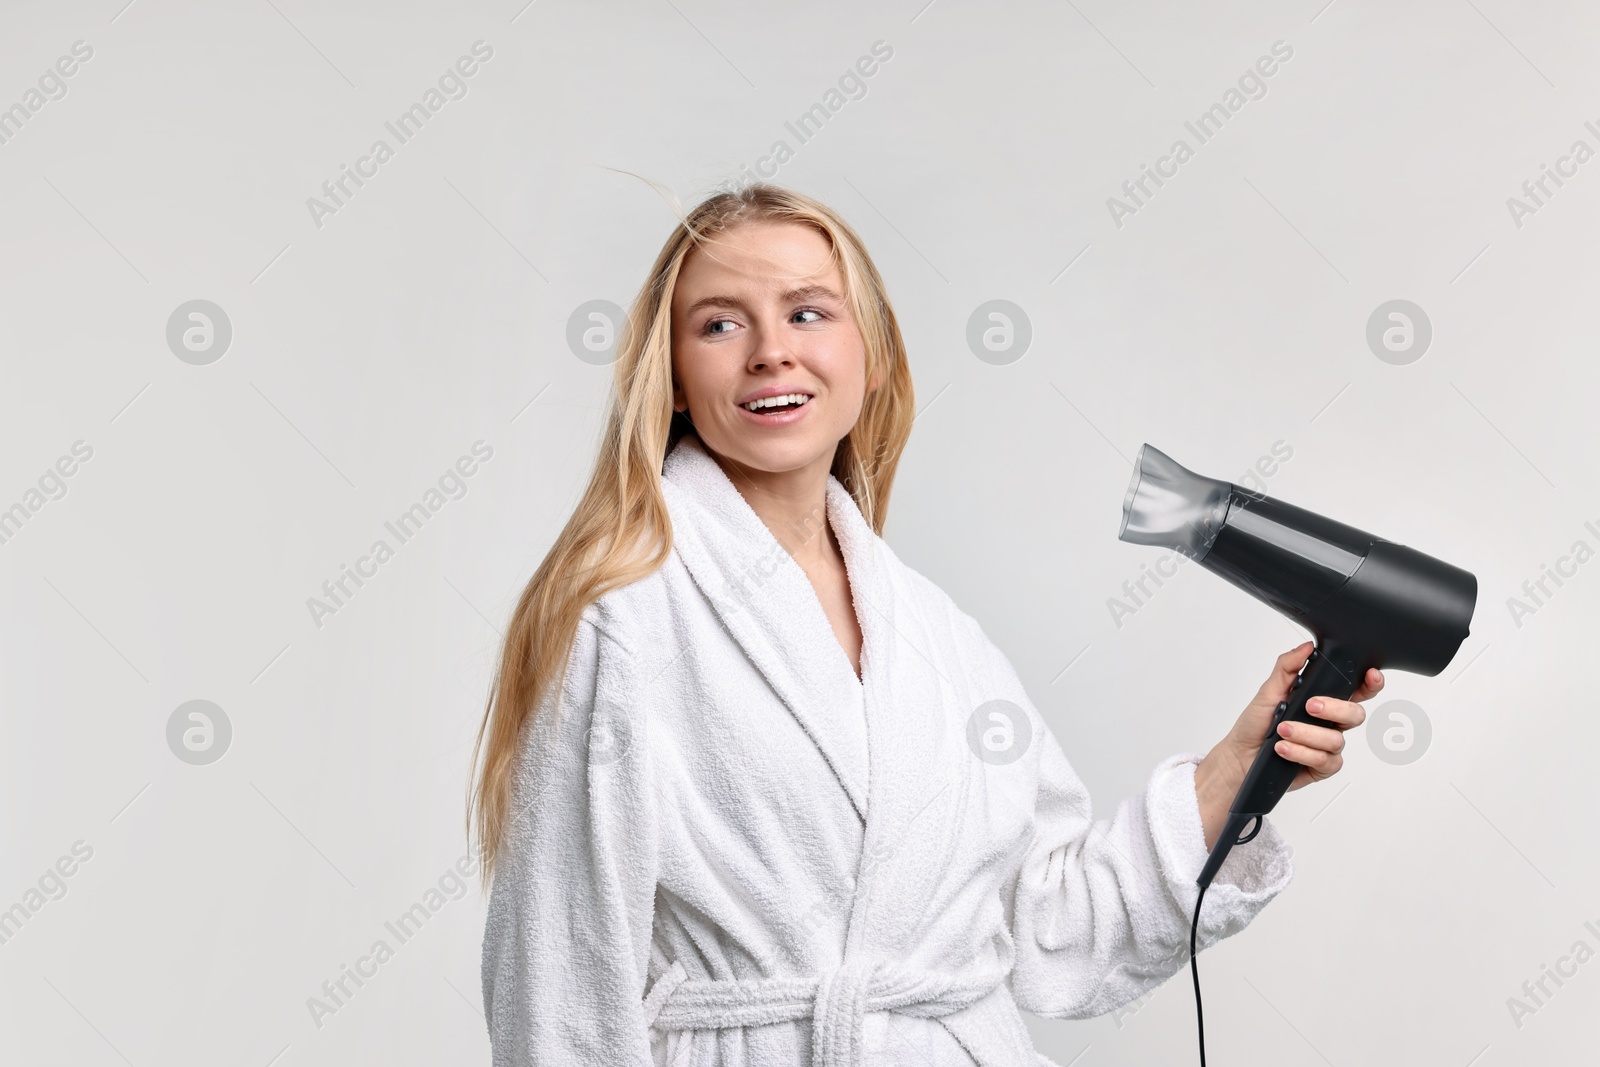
{"x":621,"y":531}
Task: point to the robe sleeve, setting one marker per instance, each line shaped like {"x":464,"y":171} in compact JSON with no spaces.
{"x":1100,"y":910}
{"x":566,"y":943}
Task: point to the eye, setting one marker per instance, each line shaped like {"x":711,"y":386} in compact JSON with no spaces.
{"x":809,"y":311}
{"x":716,"y":322}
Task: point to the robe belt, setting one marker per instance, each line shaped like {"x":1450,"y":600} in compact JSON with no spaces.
{"x":836,"y":1001}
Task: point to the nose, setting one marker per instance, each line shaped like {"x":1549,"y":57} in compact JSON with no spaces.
{"x":770,"y":350}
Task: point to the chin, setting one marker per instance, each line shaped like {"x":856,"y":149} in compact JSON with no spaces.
{"x":776,"y":457}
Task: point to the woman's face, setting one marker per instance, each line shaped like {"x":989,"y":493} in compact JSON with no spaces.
{"x":760,"y":310}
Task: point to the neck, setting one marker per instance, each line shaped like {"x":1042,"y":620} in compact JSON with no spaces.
{"x":793,"y":504}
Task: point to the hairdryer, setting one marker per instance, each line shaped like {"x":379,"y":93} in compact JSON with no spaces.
{"x":1367,"y":601}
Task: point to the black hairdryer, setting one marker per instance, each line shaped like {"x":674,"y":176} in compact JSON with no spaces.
{"x":1367,"y":601}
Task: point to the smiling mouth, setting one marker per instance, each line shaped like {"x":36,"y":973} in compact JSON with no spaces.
{"x":772,"y":405}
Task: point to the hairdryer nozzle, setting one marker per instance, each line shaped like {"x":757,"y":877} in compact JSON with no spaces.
{"x":1171,"y":506}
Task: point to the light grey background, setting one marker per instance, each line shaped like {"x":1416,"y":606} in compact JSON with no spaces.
{"x":370,"y":352}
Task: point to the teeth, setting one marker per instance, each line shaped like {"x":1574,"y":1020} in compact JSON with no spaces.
{"x":775,"y":401}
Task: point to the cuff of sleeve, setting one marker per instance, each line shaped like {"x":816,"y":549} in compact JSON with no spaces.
{"x":1252,"y":874}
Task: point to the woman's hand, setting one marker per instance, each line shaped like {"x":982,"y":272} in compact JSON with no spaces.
{"x":1318,"y":748}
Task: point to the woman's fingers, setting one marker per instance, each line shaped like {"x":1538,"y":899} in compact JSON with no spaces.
{"x":1371,"y":685}
{"x":1317,"y":748}
{"x":1305,"y":735}
{"x":1287,"y":668}
{"x":1312,"y":751}
{"x":1276,"y":687}
{"x":1343,"y":713}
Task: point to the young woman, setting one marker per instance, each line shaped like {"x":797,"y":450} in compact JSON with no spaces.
{"x":753,"y":791}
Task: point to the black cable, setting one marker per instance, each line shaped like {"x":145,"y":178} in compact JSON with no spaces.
{"x":1199,"y":1016}
{"x":1194,"y":929}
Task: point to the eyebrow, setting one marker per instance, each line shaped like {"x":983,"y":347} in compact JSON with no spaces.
{"x":804,"y":292}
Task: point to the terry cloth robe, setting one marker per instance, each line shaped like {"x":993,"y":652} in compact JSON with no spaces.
{"x":729,"y":850}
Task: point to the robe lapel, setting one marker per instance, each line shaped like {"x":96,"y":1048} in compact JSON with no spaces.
{"x":913,"y":723}
{"x":915,"y":719}
{"x":767,"y":603}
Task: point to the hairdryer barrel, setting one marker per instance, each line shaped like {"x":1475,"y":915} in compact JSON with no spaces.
{"x":1367,"y":601}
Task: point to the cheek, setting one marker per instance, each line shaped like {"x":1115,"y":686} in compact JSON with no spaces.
{"x":697,"y":375}
{"x":841,"y":354}
{"x":684,"y":358}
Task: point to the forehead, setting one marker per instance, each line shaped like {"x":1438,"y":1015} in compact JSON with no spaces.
{"x":756,"y":258}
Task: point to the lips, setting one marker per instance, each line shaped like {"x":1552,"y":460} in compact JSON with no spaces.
{"x":777,"y":402}
{"x":776,"y":408}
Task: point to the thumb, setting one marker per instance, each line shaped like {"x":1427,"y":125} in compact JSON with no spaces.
{"x":1284,"y":671}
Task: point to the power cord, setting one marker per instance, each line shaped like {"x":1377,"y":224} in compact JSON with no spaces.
{"x":1194,"y":930}
{"x":1198,"y":1014}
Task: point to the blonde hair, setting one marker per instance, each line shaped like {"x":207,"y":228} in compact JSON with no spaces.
{"x":621,"y":531}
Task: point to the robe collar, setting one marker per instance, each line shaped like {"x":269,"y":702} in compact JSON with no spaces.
{"x":768,"y":604}
{"x":916,"y":714}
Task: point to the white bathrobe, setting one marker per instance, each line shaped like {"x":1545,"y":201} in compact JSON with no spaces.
{"x":729,"y":850}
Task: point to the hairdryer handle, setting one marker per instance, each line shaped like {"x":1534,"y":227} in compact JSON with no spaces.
{"x":1331,"y":671}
